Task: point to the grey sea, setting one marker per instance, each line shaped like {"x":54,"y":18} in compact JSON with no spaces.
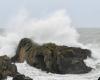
{"x":89,"y":35}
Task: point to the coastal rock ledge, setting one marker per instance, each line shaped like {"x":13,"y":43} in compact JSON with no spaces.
{"x":52,"y":58}
{"x":7,"y":68}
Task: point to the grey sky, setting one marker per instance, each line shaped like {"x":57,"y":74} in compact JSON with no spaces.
{"x":84,"y":13}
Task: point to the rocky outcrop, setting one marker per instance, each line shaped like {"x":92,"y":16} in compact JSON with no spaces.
{"x":53,"y":58}
{"x":25,"y":46}
{"x":6,"y":67}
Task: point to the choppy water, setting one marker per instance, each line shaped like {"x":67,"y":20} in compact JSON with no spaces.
{"x":89,"y":35}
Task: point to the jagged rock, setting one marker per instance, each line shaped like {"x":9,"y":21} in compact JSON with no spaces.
{"x":21,"y":77}
{"x":6,"y":67}
{"x":25,"y":46}
{"x":53,"y":58}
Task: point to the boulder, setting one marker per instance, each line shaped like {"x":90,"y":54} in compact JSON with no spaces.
{"x":6,"y":67}
{"x":53,"y":58}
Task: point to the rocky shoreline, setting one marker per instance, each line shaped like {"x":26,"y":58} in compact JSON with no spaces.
{"x":48,"y":57}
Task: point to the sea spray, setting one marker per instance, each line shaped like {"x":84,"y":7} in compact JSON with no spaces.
{"x":56,"y":28}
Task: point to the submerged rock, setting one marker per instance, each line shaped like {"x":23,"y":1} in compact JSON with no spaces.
{"x":53,"y":58}
{"x":21,"y":77}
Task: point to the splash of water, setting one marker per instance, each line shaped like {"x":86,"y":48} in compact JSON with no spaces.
{"x":55,"y":28}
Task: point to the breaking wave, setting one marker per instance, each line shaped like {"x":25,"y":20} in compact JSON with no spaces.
{"x":56,"y":27}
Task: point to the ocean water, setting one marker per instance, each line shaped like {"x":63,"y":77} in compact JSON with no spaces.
{"x":57,"y":28}
{"x":89,"y":37}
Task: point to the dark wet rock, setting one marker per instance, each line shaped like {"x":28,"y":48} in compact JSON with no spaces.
{"x":25,"y":46}
{"x":72,"y":66}
{"x":6,"y":67}
{"x":21,"y":77}
{"x":99,"y":78}
{"x":28,"y":78}
{"x":53,"y":58}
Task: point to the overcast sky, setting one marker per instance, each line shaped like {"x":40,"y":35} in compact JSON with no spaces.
{"x":84,"y":13}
